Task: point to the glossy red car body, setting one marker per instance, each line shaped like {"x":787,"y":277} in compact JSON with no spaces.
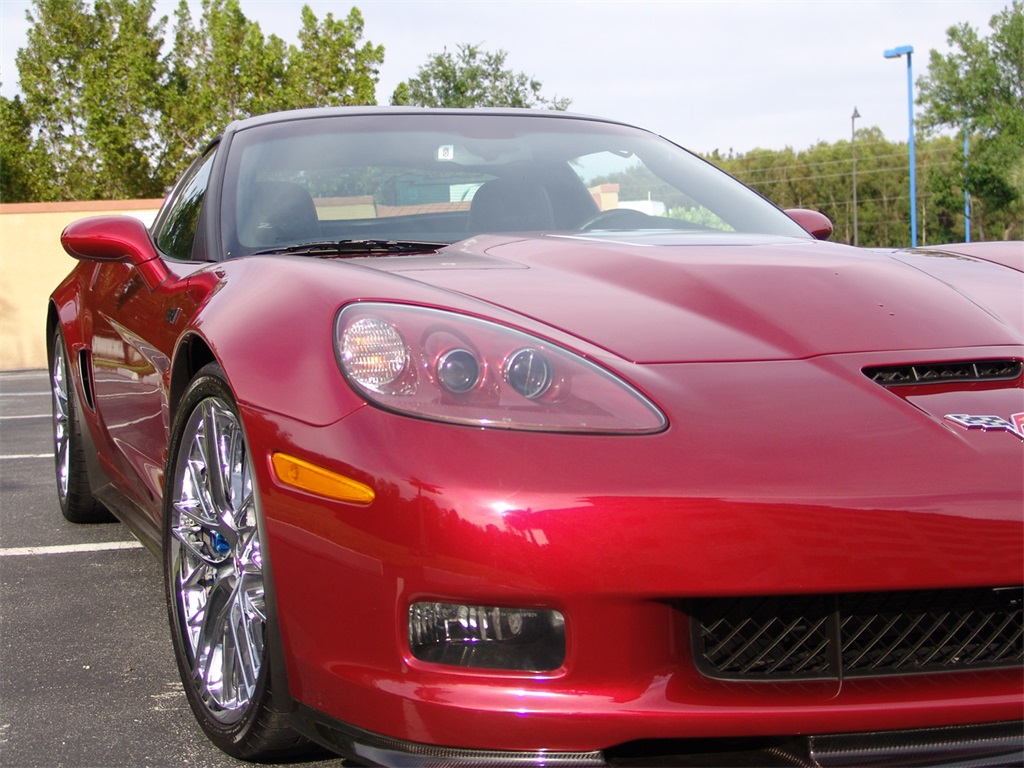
{"x":784,"y":470}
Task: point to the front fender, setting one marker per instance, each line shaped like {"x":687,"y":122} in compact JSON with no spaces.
{"x":269,"y":322}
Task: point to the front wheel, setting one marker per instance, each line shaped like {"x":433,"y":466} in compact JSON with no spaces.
{"x":213,"y":562}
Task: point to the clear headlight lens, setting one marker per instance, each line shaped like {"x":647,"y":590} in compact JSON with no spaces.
{"x":454,"y":368}
{"x":374,"y":352}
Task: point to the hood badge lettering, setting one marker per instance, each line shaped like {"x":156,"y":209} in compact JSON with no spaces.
{"x":1015,"y":424}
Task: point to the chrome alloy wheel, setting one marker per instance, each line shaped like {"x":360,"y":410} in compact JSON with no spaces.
{"x":215,"y":560}
{"x":61,"y":418}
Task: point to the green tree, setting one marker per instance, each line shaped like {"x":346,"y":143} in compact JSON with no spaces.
{"x":122,"y":100}
{"x":53,"y":69}
{"x":16,"y":177}
{"x":942,"y":204}
{"x":89,"y":79}
{"x":979,"y":87}
{"x":821,"y":178}
{"x":107,"y":113}
{"x":330,"y":68}
{"x":472,"y":77}
{"x":223,"y":69}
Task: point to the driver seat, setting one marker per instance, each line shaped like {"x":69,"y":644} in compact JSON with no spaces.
{"x":277,"y":212}
{"x":507,"y":205}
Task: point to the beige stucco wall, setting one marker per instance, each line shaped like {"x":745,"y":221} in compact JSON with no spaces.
{"x":32,"y":262}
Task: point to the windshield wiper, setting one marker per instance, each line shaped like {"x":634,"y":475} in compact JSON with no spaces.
{"x":354,"y":248}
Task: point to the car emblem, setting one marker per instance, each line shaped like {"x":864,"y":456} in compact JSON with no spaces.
{"x":1014,"y":426}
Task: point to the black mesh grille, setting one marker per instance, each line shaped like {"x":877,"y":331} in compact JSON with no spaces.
{"x":946,"y":373}
{"x":832,"y":636}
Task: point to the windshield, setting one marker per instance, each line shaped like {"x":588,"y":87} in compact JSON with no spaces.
{"x":442,"y":177}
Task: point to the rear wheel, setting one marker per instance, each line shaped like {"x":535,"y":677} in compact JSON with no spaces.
{"x":77,"y":503}
{"x":214,"y":576}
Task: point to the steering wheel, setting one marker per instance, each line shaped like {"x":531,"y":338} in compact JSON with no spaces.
{"x":617,"y":218}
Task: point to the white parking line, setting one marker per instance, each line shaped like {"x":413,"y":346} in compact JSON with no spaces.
{"x":25,"y":394}
{"x":63,"y":549}
{"x":26,"y":456}
{"x":29,"y":416}
{"x":8,"y":375}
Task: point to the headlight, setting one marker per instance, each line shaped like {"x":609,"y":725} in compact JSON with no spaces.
{"x":449,"y":367}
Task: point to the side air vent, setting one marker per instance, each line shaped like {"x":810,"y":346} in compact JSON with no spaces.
{"x":85,"y":370}
{"x":945,"y":373}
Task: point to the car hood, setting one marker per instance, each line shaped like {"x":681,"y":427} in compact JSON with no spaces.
{"x":666,"y":297}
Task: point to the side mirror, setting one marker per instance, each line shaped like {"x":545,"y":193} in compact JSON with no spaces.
{"x":115,"y":239}
{"x":816,"y":224}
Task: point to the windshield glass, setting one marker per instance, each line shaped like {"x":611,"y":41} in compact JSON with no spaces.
{"x":440,"y":177}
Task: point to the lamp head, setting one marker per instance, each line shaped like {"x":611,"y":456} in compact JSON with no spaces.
{"x":895,"y":53}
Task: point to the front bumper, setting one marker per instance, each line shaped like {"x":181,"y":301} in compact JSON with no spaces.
{"x":989,"y":745}
{"x":603,"y":531}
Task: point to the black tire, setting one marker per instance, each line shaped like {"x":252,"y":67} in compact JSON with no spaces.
{"x":214,"y":577}
{"x":77,"y":503}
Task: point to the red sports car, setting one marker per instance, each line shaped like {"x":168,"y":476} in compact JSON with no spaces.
{"x":520,"y":438}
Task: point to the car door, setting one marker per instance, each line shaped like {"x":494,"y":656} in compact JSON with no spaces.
{"x":135,"y":327}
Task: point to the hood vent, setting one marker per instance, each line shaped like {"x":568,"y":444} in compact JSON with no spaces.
{"x":968,"y":372}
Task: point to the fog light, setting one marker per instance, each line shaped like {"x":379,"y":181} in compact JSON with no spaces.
{"x":487,"y":637}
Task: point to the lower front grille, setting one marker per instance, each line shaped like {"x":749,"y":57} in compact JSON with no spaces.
{"x":813,"y":637}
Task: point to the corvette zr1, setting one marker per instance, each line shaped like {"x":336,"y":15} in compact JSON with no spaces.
{"x":521,"y":438}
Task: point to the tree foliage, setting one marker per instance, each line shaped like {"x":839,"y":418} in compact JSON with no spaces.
{"x":110,"y":112}
{"x":979,"y":88}
{"x":89,"y":77}
{"x":15,"y":149}
{"x":115,"y":103}
{"x":472,"y":77}
{"x":329,"y":68}
{"x":978,"y":85}
{"x":822,"y":178}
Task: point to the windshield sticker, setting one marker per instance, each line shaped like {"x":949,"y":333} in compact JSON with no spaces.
{"x":446,"y":152}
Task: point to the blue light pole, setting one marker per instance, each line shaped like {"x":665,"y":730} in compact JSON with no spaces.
{"x":967,"y":194}
{"x":895,"y":53}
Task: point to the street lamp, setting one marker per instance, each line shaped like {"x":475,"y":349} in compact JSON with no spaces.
{"x":967,"y":194}
{"x":853,"y":148}
{"x":895,"y":53}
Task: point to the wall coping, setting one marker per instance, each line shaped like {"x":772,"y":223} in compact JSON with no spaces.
{"x":82,"y":205}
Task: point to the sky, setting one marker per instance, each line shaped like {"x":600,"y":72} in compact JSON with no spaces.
{"x":727,"y":75}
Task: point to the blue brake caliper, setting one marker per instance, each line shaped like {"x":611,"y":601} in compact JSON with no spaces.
{"x":220,"y":544}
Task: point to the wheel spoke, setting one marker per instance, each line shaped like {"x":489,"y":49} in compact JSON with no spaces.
{"x":202,"y":509}
{"x":246,"y":649}
{"x":215,"y":431}
{"x":208,"y":668}
{"x":237,"y":476}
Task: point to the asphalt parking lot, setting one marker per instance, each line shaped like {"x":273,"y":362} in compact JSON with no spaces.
{"x":87,"y":675}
